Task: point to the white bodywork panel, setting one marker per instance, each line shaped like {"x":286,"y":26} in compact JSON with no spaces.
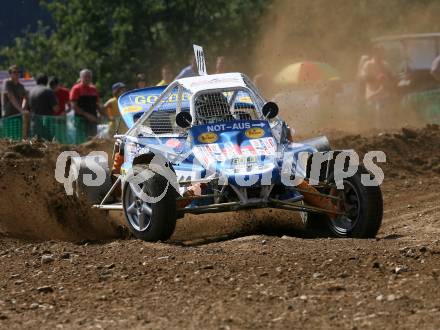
{"x":213,"y":81}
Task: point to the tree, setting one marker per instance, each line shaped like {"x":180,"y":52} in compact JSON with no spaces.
{"x":118,"y":39}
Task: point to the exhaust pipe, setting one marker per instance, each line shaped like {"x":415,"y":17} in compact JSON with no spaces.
{"x":321,"y":143}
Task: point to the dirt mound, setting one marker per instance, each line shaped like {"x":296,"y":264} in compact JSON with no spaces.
{"x":409,"y":151}
{"x":35,"y":206}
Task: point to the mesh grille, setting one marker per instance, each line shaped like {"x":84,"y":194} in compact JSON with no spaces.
{"x":212,"y":108}
{"x":161,"y":122}
{"x":226,"y":106}
{"x":162,"y":119}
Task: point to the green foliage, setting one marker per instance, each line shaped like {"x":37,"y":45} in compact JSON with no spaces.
{"x":117,"y":39}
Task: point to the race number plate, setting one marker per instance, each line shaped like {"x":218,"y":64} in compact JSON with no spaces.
{"x":244,"y":161}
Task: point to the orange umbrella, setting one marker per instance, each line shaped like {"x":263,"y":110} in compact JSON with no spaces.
{"x":306,"y":72}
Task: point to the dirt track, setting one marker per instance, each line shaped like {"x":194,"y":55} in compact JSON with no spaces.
{"x":223,"y":272}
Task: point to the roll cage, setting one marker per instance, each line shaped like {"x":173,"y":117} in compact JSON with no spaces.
{"x":244,"y":102}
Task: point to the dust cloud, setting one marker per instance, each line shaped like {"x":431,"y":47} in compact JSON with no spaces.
{"x":338,"y":33}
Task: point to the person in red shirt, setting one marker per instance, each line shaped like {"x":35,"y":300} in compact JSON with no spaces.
{"x":62,"y":95}
{"x":85,"y":101}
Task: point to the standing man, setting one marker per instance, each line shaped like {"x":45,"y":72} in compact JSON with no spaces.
{"x":85,"y":101}
{"x":189,"y":71}
{"x":42,"y":102}
{"x":42,"y":99}
{"x":112,"y":110}
{"x":62,"y":95}
{"x":15,"y":94}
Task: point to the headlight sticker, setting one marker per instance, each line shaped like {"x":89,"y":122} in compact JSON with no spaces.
{"x":208,"y":137}
{"x":255,"y":133}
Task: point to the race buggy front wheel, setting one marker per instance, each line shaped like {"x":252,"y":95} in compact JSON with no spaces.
{"x":150,"y":206}
{"x":363,"y":208}
{"x":93,"y":194}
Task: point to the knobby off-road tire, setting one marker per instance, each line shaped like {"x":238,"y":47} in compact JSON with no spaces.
{"x":93,"y":194}
{"x":150,"y":222}
{"x":364,"y":205}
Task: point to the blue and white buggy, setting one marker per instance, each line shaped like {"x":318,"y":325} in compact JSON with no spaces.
{"x":213,"y":144}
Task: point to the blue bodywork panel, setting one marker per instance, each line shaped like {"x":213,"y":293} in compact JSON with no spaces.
{"x":240,"y":151}
{"x":134,"y":103}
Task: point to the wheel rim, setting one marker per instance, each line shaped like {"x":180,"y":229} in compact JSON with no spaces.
{"x":344,"y":224}
{"x":137,"y":211}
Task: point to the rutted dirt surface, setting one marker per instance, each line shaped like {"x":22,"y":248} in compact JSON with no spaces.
{"x":252,"y":271}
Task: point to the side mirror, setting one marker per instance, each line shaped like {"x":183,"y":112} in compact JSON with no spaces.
{"x":183,"y":119}
{"x":270,"y":110}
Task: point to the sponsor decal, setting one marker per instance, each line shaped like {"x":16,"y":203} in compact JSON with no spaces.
{"x":208,"y":137}
{"x":263,"y":146}
{"x":254,"y":133}
{"x":150,"y":99}
{"x":173,"y":143}
{"x":131,"y":108}
{"x":231,"y":126}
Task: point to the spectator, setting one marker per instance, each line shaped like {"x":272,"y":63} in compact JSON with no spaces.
{"x":43,"y":103}
{"x":220,"y":65}
{"x":360,"y":81}
{"x":62,"y":95}
{"x":141,"y":81}
{"x":167,"y":76}
{"x":189,"y":71}
{"x":15,"y":100}
{"x":111,"y":108}
{"x":378,"y":78}
{"x":435,"y":68}
{"x":380,"y":88}
{"x":85,"y":101}
{"x":42,"y":99}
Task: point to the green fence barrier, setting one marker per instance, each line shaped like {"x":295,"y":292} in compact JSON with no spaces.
{"x":49,"y":128}
{"x":65,"y":130}
{"x":11,"y":127}
{"x":427,"y":104}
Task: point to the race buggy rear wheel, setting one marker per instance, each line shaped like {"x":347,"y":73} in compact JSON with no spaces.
{"x":363,"y":206}
{"x":149,"y":207}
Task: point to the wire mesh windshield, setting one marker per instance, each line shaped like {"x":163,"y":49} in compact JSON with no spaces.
{"x":224,"y":106}
{"x":212,"y":108}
